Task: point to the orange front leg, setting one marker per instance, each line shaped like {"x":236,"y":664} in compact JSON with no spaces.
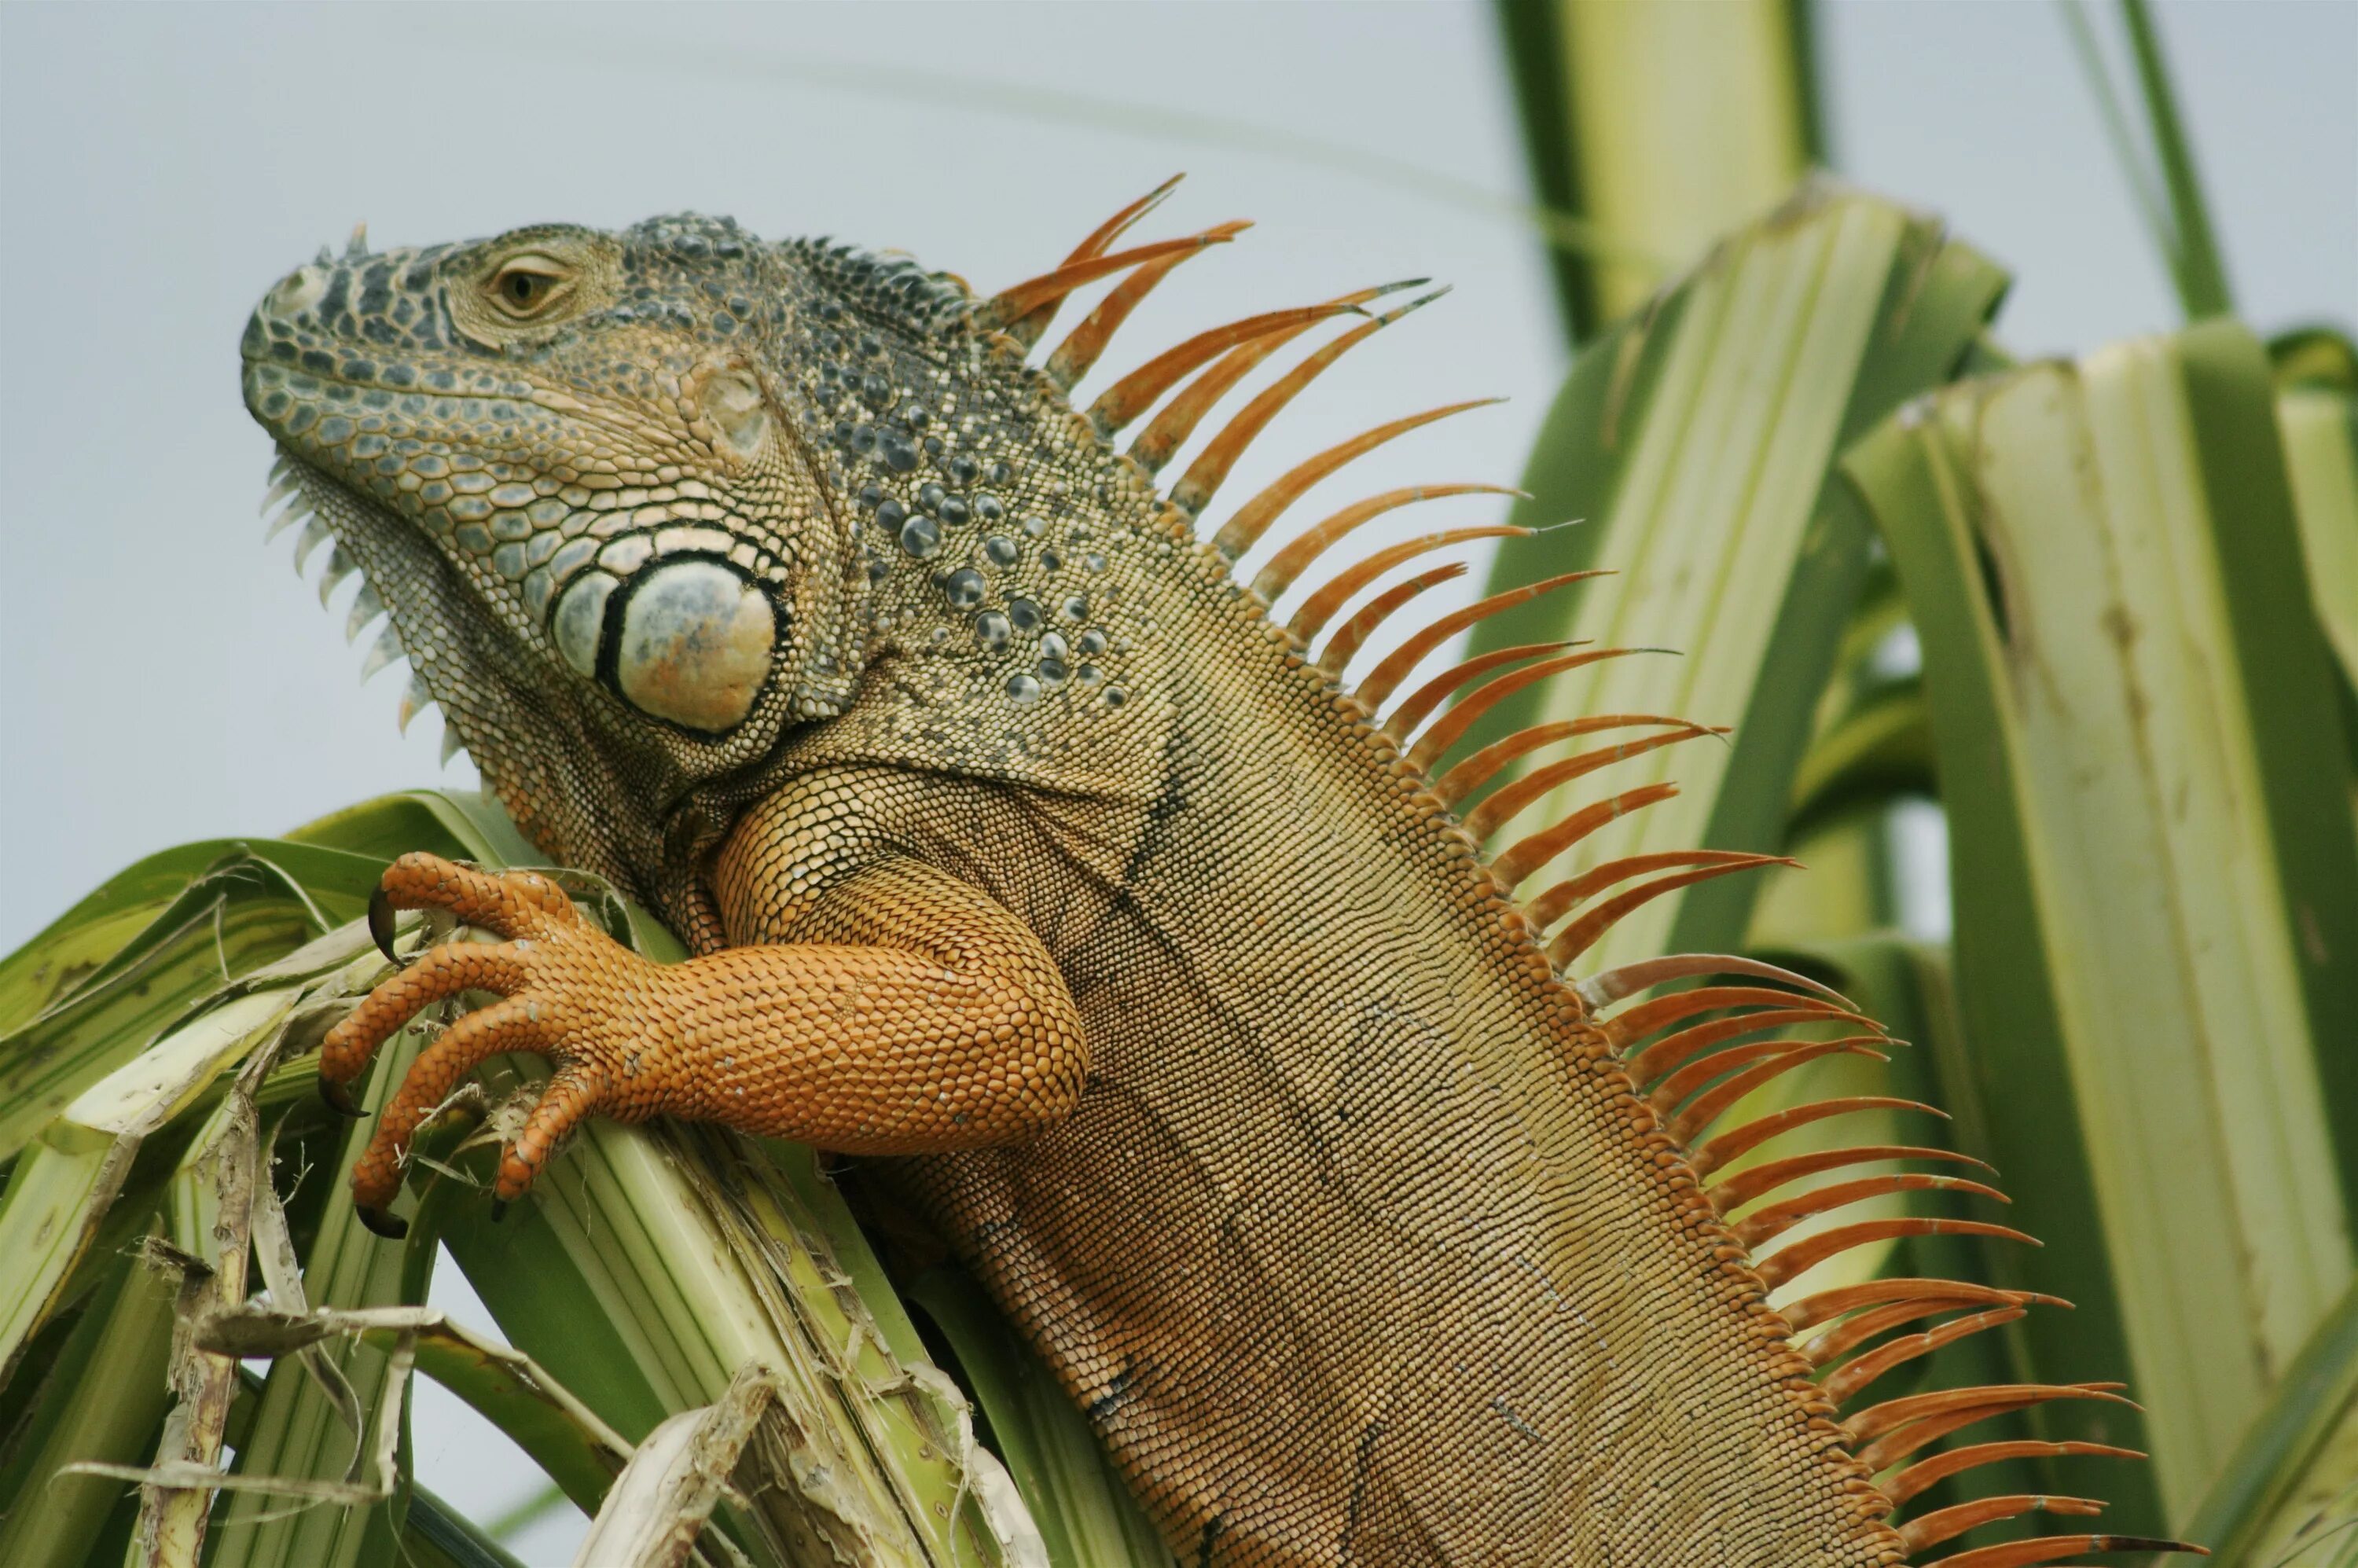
{"x":932,"y":1019}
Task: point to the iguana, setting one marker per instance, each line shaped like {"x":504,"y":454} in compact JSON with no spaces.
{"x":1197,"y":1000}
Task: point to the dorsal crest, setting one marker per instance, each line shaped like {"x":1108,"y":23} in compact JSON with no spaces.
{"x":1695,"y":1036}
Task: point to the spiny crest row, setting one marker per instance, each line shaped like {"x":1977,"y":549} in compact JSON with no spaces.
{"x":1692,"y":1055}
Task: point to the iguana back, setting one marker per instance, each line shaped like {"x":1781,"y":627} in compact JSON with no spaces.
{"x":772,"y":582}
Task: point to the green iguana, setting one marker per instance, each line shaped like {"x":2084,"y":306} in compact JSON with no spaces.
{"x":1161,"y":970}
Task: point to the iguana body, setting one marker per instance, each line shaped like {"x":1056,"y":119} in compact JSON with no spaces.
{"x":1024,"y":849}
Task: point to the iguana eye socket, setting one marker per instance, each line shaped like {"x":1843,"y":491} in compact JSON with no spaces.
{"x":526,"y":286}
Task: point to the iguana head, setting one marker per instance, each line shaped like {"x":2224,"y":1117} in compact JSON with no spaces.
{"x":645,"y":506}
{"x":591,"y":477}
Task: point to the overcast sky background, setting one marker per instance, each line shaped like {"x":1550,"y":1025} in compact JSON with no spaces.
{"x":168,"y":678}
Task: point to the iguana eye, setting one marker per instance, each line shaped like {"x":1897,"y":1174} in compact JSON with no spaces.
{"x":526,"y":285}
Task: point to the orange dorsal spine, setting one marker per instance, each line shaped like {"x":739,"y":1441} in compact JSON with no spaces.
{"x":1692,"y":1055}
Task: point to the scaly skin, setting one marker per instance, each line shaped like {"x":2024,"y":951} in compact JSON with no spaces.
{"x":1020,"y":848}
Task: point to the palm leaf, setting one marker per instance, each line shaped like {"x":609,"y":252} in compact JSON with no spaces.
{"x":1695,"y":443}
{"x":2146,"y":795}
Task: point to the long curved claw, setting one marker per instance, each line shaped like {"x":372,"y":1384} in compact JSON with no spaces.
{"x":380,"y":922}
{"x":339,"y":1099}
{"x":384,"y":1222}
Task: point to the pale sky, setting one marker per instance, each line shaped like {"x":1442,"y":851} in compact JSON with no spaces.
{"x":161,"y":165}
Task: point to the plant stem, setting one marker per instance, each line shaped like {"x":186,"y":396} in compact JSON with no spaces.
{"x":2135,"y":166}
{"x":2201,"y":277}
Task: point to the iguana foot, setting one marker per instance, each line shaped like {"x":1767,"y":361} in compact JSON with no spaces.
{"x":566,"y":992}
{"x":929,"y":1019}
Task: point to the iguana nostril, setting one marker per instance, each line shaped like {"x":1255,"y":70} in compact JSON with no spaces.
{"x":298,"y":291}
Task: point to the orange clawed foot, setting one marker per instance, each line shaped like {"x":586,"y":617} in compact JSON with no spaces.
{"x":569,"y":992}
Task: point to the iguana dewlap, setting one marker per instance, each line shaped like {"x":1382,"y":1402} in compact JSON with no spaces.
{"x":1022,"y":848}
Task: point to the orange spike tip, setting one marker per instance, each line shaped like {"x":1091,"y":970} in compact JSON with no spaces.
{"x":1583,"y":932}
{"x":1210,"y":470}
{"x":1856,"y":1375}
{"x":1461,"y":780}
{"x":1402,"y":660}
{"x":1715,"y":1102}
{"x":1028,"y":295}
{"x":1602,"y":990}
{"x":1856,"y":1331}
{"x":1419,"y":704}
{"x":1301,"y":552}
{"x":1134,"y":393}
{"x":1752,"y":1134}
{"x":1323,"y":603}
{"x":1732,"y":1192}
{"x":1529,"y":853}
{"x":1029,"y":328}
{"x":1947,"y":1524}
{"x":1254,"y":517}
{"x":1078,"y":351}
{"x":1827,"y":1305}
{"x":1162,"y":438}
{"x":1641,"y":1019}
{"x":1905,"y":1486}
{"x":1451,"y":727}
{"x":1508,"y":801}
{"x":1691,"y":1049}
{"x":2046,"y":1549}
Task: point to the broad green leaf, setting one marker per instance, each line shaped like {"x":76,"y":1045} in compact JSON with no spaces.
{"x":2155,"y":880}
{"x":1695,"y":442}
{"x":1661,"y":126}
{"x":100,"y":1402}
{"x":2320,"y":439}
{"x":2288,"y":1493}
{"x":444,"y":822}
{"x":210,"y":915}
{"x":436,"y":1535}
{"x":59,"y":1192}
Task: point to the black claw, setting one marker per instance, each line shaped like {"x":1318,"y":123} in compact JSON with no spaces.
{"x":392,"y":1226}
{"x":499,"y":1210}
{"x":339,"y":1099}
{"x":381,"y":923}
